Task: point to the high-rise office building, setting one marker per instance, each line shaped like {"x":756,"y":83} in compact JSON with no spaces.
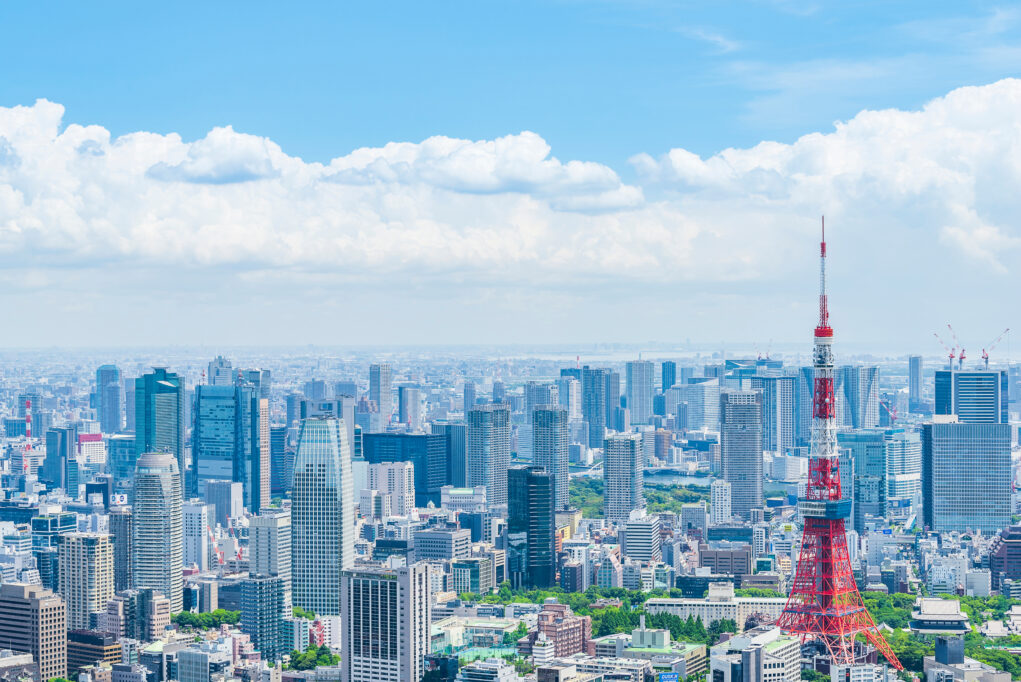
{"x":720,"y":511}
{"x":231,"y":441}
{"x":61,"y":450}
{"x":702,"y":399}
{"x":640,"y":386}
{"x":499,"y":391}
{"x":455,"y":435}
{"x":641,"y":537}
{"x":531,"y":525}
{"x":322,"y":515}
{"x":596,"y":408}
{"x":33,"y":620}
{"x":386,"y":622}
{"x":220,"y":373}
{"x":668,"y":375}
{"x":160,"y":417}
{"x":539,"y":393}
{"x":859,"y":397}
{"x":741,"y":449}
{"x":966,"y":476}
{"x":409,"y":407}
{"x":395,"y":480}
{"x":778,"y":413}
{"x":488,"y":450}
{"x":915,"y":383}
{"x":569,"y":394}
{"x":468,"y":391}
{"x":198,"y":518}
{"x":109,"y":399}
{"x":227,"y":497}
{"x":120,"y":536}
{"x":975,"y":396}
{"x":263,"y":610}
{"x":281,"y":461}
{"x":86,"y":576}
{"x":867,"y":449}
{"x":156,"y":542}
{"x":623,"y":475}
{"x":380,"y":390}
{"x":550,"y":451}
{"x":428,"y":453}
{"x":342,"y":407}
{"x":903,"y":477}
{"x":269,"y":547}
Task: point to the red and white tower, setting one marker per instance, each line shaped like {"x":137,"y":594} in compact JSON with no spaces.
{"x":824,"y":603}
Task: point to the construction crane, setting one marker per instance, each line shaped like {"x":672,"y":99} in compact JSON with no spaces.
{"x":890,"y":410}
{"x":957,"y":344}
{"x":216,"y":547}
{"x":985,"y":351}
{"x":950,"y":351}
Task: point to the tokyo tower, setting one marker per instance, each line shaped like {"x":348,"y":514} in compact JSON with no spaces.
{"x":824,"y":603}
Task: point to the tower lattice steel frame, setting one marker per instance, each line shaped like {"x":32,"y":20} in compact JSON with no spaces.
{"x":824,"y":603}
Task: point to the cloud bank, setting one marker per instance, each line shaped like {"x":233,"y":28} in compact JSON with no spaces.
{"x":906,"y":192}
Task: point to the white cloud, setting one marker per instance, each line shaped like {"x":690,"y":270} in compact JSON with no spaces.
{"x":908,"y":193}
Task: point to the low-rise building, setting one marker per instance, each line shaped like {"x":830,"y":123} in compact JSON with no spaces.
{"x":933,"y":615}
{"x":762,"y":653}
{"x":720,"y":604}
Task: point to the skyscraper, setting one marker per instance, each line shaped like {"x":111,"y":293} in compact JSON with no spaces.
{"x":322,"y":515}
{"x":156,"y":542}
{"x":61,"y":450}
{"x":160,"y":416}
{"x":903,"y":476}
{"x":720,"y":511}
{"x":668,"y":375}
{"x":409,"y":407}
{"x":915,"y":383}
{"x":109,"y":398}
{"x":488,"y":450}
{"x":386,"y":621}
{"x":262,"y":615}
{"x":281,"y":461}
{"x":468,"y":391}
{"x":777,"y":411}
{"x":86,"y":576}
{"x":428,"y":453}
{"x":868,"y":492}
{"x":539,"y":393}
{"x":220,"y":373}
{"x":860,"y":397}
{"x":966,"y":472}
{"x":397,"y":481}
{"x":531,"y":524}
{"x":231,"y":441}
{"x":975,"y":396}
{"x":623,"y":475}
{"x":741,"y":449}
{"x":455,"y":434}
{"x":569,"y":393}
{"x":549,"y":449}
{"x":380,"y":387}
{"x":198,"y":519}
{"x":120,"y":536}
{"x":595,"y":407}
{"x":33,"y":620}
{"x":269,"y":547}
{"x":641,"y":386}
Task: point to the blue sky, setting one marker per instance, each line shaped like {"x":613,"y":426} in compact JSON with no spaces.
{"x":599,"y":80}
{"x":506,"y":172}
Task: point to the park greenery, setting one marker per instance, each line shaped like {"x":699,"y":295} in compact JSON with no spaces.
{"x":312,"y":657}
{"x":302,"y":613}
{"x":205,"y":621}
{"x":587,"y":495}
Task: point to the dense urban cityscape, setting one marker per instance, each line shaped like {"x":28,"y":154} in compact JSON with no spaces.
{"x":323,"y":516}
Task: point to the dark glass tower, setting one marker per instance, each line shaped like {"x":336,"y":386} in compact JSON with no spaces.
{"x":159,"y":418}
{"x":531,"y":526}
